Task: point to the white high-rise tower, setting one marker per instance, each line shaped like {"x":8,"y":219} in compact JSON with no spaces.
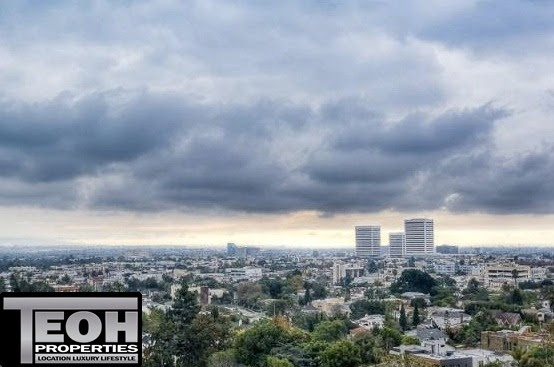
{"x":397,"y":244}
{"x":420,"y":238}
{"x":368,"y":241}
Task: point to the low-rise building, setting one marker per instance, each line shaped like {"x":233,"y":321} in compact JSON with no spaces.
{"x":509,"y":340}
{"x":496,"y":275}
{"x":422,"y":356}
{"x":342,"y":271}
{"x":370,"y":322}
{"x":331,"y":306}
{"x":445,"y":267}
{"x":482,"y":357}
{"x":447,"y":317}
{"x":245,"y":273}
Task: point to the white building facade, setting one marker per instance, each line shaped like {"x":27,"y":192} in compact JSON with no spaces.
{"x":420,"y":237}
{"x":368,"y":241}
{"x":397,"y":244}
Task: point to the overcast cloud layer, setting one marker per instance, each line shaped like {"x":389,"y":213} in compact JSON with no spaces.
{"x":275,"y":107}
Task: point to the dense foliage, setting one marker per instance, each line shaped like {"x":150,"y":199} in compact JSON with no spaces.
{"x":413,"y":280}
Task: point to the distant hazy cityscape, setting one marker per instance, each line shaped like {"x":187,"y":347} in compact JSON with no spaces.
{"x":413,"y":303}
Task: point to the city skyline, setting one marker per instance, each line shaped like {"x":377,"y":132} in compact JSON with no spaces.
{"x":273,"y":124}
{"x":156,"y":230}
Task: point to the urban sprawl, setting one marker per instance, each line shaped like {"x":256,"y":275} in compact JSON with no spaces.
{"x":410,"y":303}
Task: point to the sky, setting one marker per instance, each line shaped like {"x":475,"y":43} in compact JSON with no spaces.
{"x":280,"y":123}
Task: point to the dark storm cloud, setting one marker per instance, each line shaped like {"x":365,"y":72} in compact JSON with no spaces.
{"x":519,"y":184}
{"x":390,"y":105}
{"x":148,"y":151}
{"x":62,"y":139}
{"x":417,"y":134}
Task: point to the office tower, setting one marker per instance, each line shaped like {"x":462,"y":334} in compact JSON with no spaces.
{"x":397,"y":244}
{"x":368,"y":241}
{"x":419,"y":237}
{"x":231,"y":249}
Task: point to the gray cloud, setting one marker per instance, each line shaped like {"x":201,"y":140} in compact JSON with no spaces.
{"x":62,"y":139}
{"x":328,"y":106}
{"x":144,"y":151}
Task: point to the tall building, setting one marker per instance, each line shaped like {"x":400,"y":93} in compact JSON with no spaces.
{"x":368,"y":241}
{"x":231,"y":249}
{"x":420,"y":238}
{"x":242,"y":251}
{"x":397,"y":244}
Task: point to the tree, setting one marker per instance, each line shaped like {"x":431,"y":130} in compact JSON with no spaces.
{"x":277,"y":362}
{"x":253,"y":345}
{"x":2,"y":285}
{"x":202,"y":338}
{"x":21,"y":285}
{"x":390,"y":338}
{"x":347,"y":295}
{"x":294,"y":283}
{"x":249,"y":293}
{"x":152,"y":322}
{"x":415,"y":317}
{"x":363,"y":307}
{"x":114,"y":287}
{"x":66,"y":279}
{"x":403,"y":321}
{"x":372,"y":267}
{"x":371,"y":351}
{"x":330,"y":331}
{"x":410,"y":340}
{"x":470,"y":334}
{"x":164,"y":347}
{"x":542,"y":356}
{"x":413,"y":280}
{"x":515,"y":297}
{"x":185,"y":306}
{"x":86,"y":288}
{"x":472,"y":286}
{"x":496,"y":363}
{"x":277,"y":307}
{"x":307,"y":321}
{"x":319,"y":291}
{"x":14,"y":283}
{"x":341,"y":354}
{"x":419,"y":302}
{"x":215,"y":312}
{"x":272,"y":287}
{"x":224,"y":358}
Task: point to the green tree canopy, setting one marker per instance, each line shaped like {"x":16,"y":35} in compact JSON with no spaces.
{"x":542,"y":356}
{"x":225,"y":358}
{"x":403,"y":320}
{"x":202,"y":338}
{"x":363,"y":307}
{"x":413,"y":280}
{"x":341,"y":354}
{"x":330,"y":331}
{"x":255,"y":344}
{"x":371,"y":350}
{"x":185,"y":306}
{"x":415,"y":317}
{"x":278,"y":362}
